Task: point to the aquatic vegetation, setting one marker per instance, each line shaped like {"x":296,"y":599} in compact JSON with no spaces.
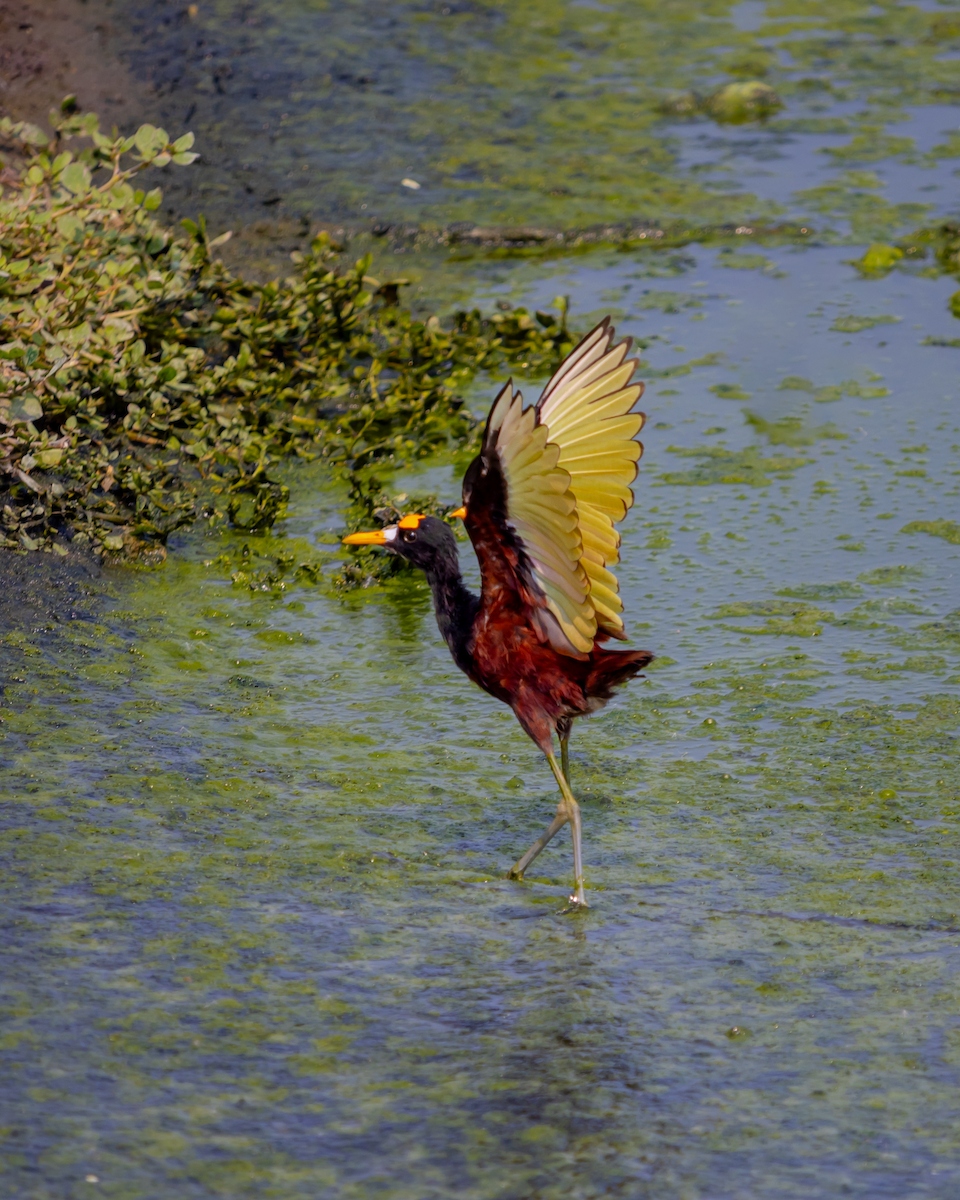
{"x":823,"y":591}
{"x":718,"y":465}
{"x":871,"y":145}
{"x":738,"y":103}
{"x":667,"y":302}
{"x":948,"y":530}
{"x":944,"y":240}
{"x":940,"y":341}
{"x":870,"y":218}
{"x":854,"y":324}
{"x":785,"y":618}
{"x":793,"y":431}
{"x":879,"y":257}
{"x":832,"y":391}
{"x":732,"y":104}
{"x":738,"y":261}
{"x":890,"y":576}
{"x":557,"y":114}
{"x":729,"y":391}
{"x":142,"y":385}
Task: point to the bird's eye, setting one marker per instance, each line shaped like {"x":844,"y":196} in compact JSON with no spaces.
{"x":409,"y":535}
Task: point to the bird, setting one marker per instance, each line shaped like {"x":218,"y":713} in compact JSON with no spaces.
{"x":540,"y":504}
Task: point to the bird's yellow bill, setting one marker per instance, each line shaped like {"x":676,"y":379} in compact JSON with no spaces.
{"x":460,"y":512}
{"x":376,"y":537}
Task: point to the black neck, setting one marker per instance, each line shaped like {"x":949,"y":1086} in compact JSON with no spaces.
{"x":455,"y":606}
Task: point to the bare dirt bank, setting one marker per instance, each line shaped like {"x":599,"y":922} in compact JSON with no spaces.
{"x":53,"y":48}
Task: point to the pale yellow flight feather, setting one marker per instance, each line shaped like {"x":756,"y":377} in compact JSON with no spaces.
{"x":568,"y":463}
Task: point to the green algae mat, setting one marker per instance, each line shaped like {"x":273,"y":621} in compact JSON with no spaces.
{"x":258,"y":938}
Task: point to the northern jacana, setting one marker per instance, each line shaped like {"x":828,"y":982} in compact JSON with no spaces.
{"x":540,"y":502}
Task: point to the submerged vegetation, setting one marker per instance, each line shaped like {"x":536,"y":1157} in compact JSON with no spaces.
{"x":143,"y":385}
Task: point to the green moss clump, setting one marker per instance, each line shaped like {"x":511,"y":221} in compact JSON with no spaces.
{"x":879,"y":259}
{"x":738,"y":103}
{"x":734,"y":104}
{"x":142,"y":385}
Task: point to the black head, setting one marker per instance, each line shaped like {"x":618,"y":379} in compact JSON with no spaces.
{"x":427,"y":542}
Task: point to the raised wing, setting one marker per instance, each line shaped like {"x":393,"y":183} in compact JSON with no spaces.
{"x":542,"y":514}
{"x":586,"y":408}
{"x":566,"y":465}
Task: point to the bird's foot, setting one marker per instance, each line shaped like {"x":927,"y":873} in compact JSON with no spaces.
{"x":575,"y":904}
{"x":516,"y":873}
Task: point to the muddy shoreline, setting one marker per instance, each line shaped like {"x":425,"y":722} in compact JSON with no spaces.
{"x":51,"y":49}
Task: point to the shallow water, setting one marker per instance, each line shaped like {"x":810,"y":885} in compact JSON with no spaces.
{"x":259,"y":938}
{"x":545,"y":113}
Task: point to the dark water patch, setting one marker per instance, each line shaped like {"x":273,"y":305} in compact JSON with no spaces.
{"x":39,"y":593}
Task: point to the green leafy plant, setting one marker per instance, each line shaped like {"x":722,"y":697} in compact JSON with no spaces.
{"x":141,"y":384}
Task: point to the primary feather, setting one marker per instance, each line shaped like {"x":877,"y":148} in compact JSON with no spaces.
{"x":567,"y":463}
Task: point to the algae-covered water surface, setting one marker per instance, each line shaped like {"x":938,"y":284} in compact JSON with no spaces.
{"x":554,"y":112}
{"x":259,"y":940}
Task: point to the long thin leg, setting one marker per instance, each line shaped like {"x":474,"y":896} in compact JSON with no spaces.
{"x":573,"y":816}
{"x":548,"y":834}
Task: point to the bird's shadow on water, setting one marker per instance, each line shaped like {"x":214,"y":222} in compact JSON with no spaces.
{"x":559,"y":1039}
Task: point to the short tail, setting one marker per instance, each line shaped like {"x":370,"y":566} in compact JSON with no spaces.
{"x":611,"y":668}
